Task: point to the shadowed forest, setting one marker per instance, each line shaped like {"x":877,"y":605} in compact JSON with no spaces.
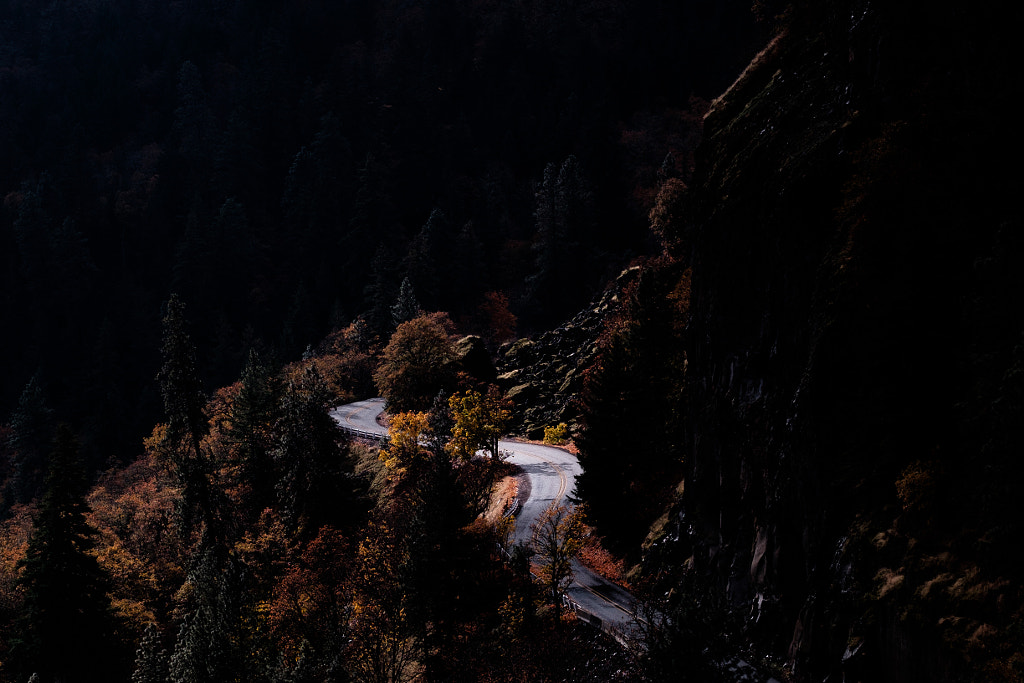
{"x":284,"y":167}
{"x":196,"y":197}
{"x":757,"y":266}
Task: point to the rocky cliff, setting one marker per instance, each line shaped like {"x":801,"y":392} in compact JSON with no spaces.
{"x":543,"y":374}
{"x":854,"y":384}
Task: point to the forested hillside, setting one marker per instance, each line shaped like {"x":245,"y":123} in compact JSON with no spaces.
{"x":779,"y":321}
{"x":284,"y":167}
{"x":219,"y":220}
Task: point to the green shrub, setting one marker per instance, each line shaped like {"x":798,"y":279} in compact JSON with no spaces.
{"x":556,"y":435}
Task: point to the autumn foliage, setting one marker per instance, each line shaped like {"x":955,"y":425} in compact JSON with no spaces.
{"x":417,"y":363}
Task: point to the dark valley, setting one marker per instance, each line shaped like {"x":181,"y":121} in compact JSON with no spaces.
{"x":754,"y":270}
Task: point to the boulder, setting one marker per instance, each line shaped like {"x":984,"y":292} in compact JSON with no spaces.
{"x":472,"y":357}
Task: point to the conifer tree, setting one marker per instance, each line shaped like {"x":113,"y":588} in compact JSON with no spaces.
{"x":67,"y":630}
{"x":380,"y":291}
{"x":252,"y":416}
{"x":187,"y":426}
{"x":193,"y":120}
{"x":564,"y":217}
{"x":151,"y":658}
{"x":31,"y":429}
{"x":212,"y":643}
{"x":471,"y":273}
{"x":309,"y":452}
{"x":427,"y":259}
{"x":406,"y":307}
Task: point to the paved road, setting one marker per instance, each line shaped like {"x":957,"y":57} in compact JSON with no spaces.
{"x":552,"y":473}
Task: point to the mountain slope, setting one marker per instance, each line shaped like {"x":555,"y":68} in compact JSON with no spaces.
{"x":853,"y":384}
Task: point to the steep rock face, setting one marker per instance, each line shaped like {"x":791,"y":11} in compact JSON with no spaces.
{"x":854,"y":330}
{"x":543,"y":374}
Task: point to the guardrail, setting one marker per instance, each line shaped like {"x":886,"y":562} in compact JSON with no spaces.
{"x":363,"y":434}
{"x":581,"y":612}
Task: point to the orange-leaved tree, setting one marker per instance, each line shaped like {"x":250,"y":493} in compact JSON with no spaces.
{"x":417,"y":363}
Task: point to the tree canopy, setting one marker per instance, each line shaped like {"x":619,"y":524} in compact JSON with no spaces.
{"x":417,"y":363}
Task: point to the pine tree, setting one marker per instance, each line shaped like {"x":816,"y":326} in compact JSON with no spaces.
{"x":423,"y":263}
{"x":212,"y":644}
{"x":67,"y":630}
{"x":380,"y":291}
{"x":31,"y":430}
{"x":406,"y":307}
{"x":187,"y":426}
{"x":193,"y":120}
{"x":252,"y":416}
{"x":151,"y":662}
{"x":564,"y":218}
{"x":309,"y":452}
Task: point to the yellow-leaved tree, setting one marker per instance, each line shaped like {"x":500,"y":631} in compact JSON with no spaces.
{"x":403,"y":449}
{"x":480,"y":421}
{"x":558,"y":536}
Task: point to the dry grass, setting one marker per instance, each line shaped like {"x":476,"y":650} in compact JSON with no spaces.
{"x":502,"y":496}
{"x":597,"y":559}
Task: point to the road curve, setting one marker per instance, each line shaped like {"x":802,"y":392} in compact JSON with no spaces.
{"x":552,"y":473}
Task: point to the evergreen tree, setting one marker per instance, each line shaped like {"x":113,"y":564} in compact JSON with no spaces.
{"x":380,"y":291}
{"x":193,"y":119}
{"x":31,"y":229}
{"x":151,"y":662}
{"x":429,"y":261}
{"x":406,"y":307}
{"x":313,"y":489}
{"x":471,"y":273}
{"x":252,"y":416}
{"x":372,"y":215}
{"x":299,"y":325}
{"x":220,"y":639}
{"x":439,"y":423}
{"x":562,"y":271}
{"x":187,"y":425}
{"x":31,"y":430}
{"x":67,"y":630}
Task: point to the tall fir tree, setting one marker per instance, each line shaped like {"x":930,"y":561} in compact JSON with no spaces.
{"x":429,"y":259}
{"x":310,"y":450}
{"x":151,"y":662}
{"x":67,"y":630}
{"x":187,"y":425}
{"x":252,"y":417}
{"x":406,"y":306}
{"x":380,"y":291}
{"x":563,"y":264}
{"x":31,"y":429}
{"x":218,"y":640}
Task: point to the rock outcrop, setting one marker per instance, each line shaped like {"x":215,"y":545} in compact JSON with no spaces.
{"x":544,"y":373}
{"x":472,"y":357}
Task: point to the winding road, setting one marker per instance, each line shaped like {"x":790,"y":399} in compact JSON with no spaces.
{"x":552,"y":473}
